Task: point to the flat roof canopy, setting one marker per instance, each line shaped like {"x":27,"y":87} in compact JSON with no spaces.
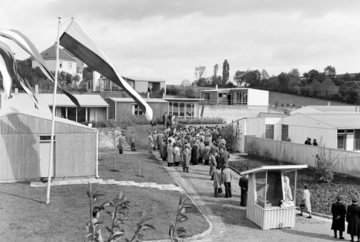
{"x":285,"y":168}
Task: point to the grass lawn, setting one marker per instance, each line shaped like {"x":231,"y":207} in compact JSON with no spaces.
{"x":322,"y":194}
{"x":141,"y":133}
{"x":283,"y":98}
{"x":26,"y":218}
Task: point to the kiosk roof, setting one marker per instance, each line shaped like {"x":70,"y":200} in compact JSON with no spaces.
{"x":285,"y":168}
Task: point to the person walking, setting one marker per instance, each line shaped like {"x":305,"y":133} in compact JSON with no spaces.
{"x":186,"y":156}
{"x":206,"y":153}
{"x":305,"y":205}
{"x":176,"y":154}
{"x":121,"y":144}
{"x":243,"y":183}
{"x":217,"y":181}
{"x":338,"y":211}
{"x":132,"y":141}
{"x":151,"y":142}
{"x":170,"y":154}
{"x":352,"y":217}
{"x":227,"y":177}
{"x":212,"y":165}
{"x":194,"y":153}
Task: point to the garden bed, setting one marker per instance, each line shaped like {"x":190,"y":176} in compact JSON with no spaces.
{"x":322,"y":194}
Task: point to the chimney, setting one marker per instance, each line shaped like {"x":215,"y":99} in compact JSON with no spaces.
{"x":36,"y":90}
{"x":216,"y":87}
{"x":329,"y":103}
{"x":16,"y":91}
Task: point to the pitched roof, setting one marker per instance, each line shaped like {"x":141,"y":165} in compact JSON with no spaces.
{"x":339,"y":121}
{"x":130,"y":100}
{"x":50,"y":54}
{"x":85,"y":100}
{"x":144,"y":79}
{"x":336,"y":109}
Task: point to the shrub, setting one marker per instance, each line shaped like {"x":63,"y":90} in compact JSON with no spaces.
{"x":324,"y":169}
{"x":253,"y":149}
{"x":266,"y":154}
{"x":213,"y":120}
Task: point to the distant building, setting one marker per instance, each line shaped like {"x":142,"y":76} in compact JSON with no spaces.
{"x":124,"y":109}
{"x":67,"y":61}
{"x":141,"y":85}
{"x":235,"y":96}
{"x":326,"y":109}
{"x":184,"y":108}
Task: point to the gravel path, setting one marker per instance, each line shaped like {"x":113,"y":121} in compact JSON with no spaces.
{"x":229,"y":219}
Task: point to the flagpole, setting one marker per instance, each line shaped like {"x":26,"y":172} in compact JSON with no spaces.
{"x":53,"y":116}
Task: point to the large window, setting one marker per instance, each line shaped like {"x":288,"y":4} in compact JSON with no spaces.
{"x":72,"y":114}
{"x":341,"y":139}
{"x":136,"y":110}
{"x":284,"y":132}
{"x":269,"y":131}
{"x":81,"y":115}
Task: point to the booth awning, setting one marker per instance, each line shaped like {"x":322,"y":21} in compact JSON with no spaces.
{"x":286,"y":168}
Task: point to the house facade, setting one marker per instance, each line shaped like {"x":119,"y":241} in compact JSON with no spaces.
{"x":184,"y":108}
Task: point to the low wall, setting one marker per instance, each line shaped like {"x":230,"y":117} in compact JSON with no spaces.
{"x":345,"y":162}
{"x":108,"y":138}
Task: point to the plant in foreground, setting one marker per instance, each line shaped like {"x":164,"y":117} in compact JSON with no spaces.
{"x":116,"y":230}
{"x":176,"y":232}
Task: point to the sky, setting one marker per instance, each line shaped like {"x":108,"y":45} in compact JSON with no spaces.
{"x":169,"y":38}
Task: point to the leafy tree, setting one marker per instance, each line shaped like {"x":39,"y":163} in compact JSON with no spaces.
{"x":264,"y":75}
{"x":357,"y":77}
{"x":185,"y":83}
{"x":87,"y":73}
{"x":202,"y":82}
{"x":330,"y":71}
{"x":327,"y":87}
{"x":315,"y":87}
{"x":294,"y":73}
{"x":283,"y":80}
{"x":350,"y":94}
{"x":251,"y":77}
{"x":294,"y":85}
{"x":216,"y":68}
{"x":76,"y":78}
{"x":347,"y":77}
{"x":226,"y":72}
{"x":237,"y":77}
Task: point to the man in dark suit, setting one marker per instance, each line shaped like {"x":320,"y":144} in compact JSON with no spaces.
{"x":352,"y":217}
{"x":338,"y":211}
{"x":243,"y":183}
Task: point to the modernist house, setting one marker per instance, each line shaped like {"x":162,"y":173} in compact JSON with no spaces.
{"x":235,"y":96}
{"x":67,"y":61}
{"x":185,"y":108}
{"x":103,"y":84}
{"x":93,"y":107}
{"x":123,"y":109}
{"x":25,"y":143}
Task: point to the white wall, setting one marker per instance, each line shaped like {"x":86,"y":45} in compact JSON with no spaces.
{"x":141,"y":86}
{"x":277,"y":126}
{"x":301,"y":127}
{"x":258,"y":97}
{"x":51,"y":64}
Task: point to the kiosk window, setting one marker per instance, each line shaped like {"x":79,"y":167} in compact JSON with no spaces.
{"x":260,"y":181}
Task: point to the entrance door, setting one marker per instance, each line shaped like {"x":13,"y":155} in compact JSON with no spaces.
{"x":45,"y":155}
{"x":229,"y":98}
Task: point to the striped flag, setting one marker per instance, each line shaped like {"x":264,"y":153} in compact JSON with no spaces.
{"x":9,"y":70}
{"x":30,"y":48}
{"x":79,"y":44}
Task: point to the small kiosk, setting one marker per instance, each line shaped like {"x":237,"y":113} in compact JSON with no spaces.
{"x":270,"y":203}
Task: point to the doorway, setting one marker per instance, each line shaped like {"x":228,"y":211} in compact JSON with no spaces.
{"x":229,"y":98}
{"x":44,"y":155}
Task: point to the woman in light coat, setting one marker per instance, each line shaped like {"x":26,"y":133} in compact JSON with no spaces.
{"x":306,"y":202}
{"x":186,"y":156}
{"x":170,"y":154}
{"x":176,"y":152}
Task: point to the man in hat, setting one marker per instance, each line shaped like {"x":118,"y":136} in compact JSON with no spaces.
{"x":227,"y":177}
{"x":338,"y":211}
{"x":243,"y":183}
{"x":352,"y":217}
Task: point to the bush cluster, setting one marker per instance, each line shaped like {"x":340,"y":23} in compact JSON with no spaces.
{"x":253,"y":149}
{"x":213,"y":120}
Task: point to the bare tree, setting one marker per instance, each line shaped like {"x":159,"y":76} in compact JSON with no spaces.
{"x":264,"y":75}
{"x":199,"y":71}
{"x":216,"y":68}
{"x":185,"y":83}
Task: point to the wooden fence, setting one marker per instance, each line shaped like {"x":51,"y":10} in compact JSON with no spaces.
{"x":345,"y":162}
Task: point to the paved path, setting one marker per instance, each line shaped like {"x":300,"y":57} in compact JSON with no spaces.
{"x":229,"y":219}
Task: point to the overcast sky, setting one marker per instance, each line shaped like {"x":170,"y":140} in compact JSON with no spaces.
{"x":169,"y":38}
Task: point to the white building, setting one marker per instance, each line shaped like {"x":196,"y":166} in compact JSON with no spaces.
{"x":67,"y":61}
{"x":326,"y":109}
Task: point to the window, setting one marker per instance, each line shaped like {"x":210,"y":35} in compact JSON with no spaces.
{"x":284,"y":132}
{"x":72,"y":114}
{"x":63,"y":112}
{"x":274,"y":189}
{"x":60,"y":64}
{"x":341,"y":141}
{"x":269,"y":131}
{"x":136,"y":110}
{"x":357,"y":139}
{"x":81,"y":115}
{"x":70,"y":65}
{"x":260,"y":182}
{"x":220,"y":94}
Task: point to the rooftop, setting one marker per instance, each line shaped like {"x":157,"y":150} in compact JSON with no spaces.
{"x":143,"y":79}
{"x":130,"y":100}
{"x":336,"y":109}
{"x":286,"y":168}
{"x":85,"y":100}
{"x":230,"y":89}
{"x":339,"y":121}
{"x":183,"y":99}
{"x":50,"y":54}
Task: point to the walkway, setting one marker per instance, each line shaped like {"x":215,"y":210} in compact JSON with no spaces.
{"x":229,"y":219}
